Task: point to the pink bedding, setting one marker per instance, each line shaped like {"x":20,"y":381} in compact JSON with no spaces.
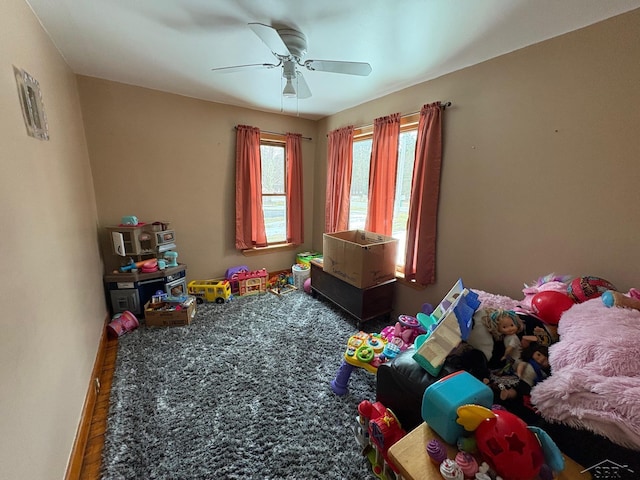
{"x":595,"y":373}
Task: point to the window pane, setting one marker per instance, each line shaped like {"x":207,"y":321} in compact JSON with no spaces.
{"x":274,"y":208}
{"x":359,"y":194}
{"x":273,"y":173}
{"x":406,"y":157}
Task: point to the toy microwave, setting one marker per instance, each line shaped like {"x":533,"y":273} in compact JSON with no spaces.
{"x":163,"y":240}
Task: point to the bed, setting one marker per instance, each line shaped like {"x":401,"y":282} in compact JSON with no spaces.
{"x":590,"y":404}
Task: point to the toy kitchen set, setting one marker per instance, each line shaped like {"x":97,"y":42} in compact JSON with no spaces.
{"x":142,"y":259}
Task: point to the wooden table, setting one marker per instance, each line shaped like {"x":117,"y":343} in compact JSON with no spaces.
{"x":362,"y":303}
{"x":409,"y":455}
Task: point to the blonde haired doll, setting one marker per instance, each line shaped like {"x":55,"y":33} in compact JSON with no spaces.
{"x":505,"y":325}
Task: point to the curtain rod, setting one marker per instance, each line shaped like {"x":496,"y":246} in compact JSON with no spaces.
{"x":278,"y":133}
{"x":443,"y":104}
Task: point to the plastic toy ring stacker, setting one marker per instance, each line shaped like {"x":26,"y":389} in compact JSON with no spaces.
{"x":365,"y":353}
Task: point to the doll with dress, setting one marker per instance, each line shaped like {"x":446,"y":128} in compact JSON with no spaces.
{"x":505,"y":325}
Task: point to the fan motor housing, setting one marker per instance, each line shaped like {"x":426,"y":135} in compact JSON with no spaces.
{"x":295,"y":41}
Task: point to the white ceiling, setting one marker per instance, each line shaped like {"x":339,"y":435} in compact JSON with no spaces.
{"x":171,"y":45}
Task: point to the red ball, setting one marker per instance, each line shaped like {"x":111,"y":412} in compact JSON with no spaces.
{"x":550,"y":305}
{"x":582,"y":289}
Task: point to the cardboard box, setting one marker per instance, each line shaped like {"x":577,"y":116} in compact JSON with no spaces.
{"x":164,"y":314}
{"x":361,"y":258}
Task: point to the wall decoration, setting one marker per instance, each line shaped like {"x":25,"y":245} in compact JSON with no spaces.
{"x":32,"y":107}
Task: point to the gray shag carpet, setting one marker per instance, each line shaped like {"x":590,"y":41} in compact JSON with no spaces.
{"x":241,"y":393}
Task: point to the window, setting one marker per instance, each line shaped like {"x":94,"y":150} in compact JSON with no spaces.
{"x":268,"y":184}
{"x":359,"y":194}
{"x":274,"y":195}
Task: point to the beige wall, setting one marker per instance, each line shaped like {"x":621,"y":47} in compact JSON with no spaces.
{"x":541,"y":163}
{"x":53,"y":306}
{"x":166,"y":157}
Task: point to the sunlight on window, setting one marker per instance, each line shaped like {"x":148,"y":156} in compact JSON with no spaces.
{"x":359,"y":195}
{"x":406,"y":157}
{"x":274,"y":202}
{"x":360,"y":187}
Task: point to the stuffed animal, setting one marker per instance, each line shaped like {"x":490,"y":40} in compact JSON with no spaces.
{"x":551,"y":282}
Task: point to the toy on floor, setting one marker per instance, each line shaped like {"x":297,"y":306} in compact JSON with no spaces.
{"x":122,"y":323}
{"x":281,"y":285}
{"x":370,"y":350}
{"x":218,"y":291}
{"x":513,"y":449}
{"x":232,"y":276}
{"x":252,"y":283}
{"x":612,"y":298}
{"x":377,"y":430}
{"x":364,"y":350}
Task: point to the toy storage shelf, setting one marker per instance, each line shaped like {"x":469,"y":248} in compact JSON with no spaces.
{"x":362,"y":303}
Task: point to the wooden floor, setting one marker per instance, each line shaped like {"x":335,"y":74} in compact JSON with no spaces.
{"x":92,"y":460}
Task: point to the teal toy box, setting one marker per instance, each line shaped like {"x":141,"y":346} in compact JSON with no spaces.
{"x":442,"y":398}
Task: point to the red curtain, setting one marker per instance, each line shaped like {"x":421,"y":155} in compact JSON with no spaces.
{"x":420,"y":259}
{"x":295,"y":201}
{"x":250,"y":231}
{"x":340,"y":158}
{"x":382,"y":174}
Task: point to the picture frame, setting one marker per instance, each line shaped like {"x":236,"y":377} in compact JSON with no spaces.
{"x":30,"y":97}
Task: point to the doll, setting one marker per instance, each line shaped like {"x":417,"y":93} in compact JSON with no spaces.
{"x":533,"y":368}
{"x":505,"y":325}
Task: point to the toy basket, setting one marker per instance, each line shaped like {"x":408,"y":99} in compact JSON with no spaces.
{"x":300,"y":274}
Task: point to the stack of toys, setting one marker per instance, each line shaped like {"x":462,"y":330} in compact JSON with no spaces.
{"x":376,"y":431}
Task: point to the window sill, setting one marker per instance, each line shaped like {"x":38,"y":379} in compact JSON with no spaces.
{"x":411,"y":284}
{"x":251,"y":252}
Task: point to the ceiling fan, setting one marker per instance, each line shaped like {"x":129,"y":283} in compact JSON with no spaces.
{"x":289,"y":47}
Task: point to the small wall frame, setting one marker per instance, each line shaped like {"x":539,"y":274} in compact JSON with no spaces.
{"x":32,"y":107}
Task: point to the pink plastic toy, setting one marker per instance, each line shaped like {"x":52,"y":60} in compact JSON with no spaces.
{"x":122,"y":323}
{"x":404,"y":332}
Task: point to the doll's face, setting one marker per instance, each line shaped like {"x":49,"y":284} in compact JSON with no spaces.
{"x":541,"y":359}
{"x":506,"y":326}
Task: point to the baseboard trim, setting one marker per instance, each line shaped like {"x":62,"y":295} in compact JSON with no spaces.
{"x":74,"y":466}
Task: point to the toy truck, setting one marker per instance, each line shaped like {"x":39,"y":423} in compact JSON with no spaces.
{"x":218,"y":291}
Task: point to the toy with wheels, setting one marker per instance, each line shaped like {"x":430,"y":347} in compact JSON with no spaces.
{"x":378,"y":429}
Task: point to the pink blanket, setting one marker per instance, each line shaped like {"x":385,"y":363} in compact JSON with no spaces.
{"x":595,"y":373}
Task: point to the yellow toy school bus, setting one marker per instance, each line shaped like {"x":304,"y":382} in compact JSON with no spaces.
{"x":218,"y":291}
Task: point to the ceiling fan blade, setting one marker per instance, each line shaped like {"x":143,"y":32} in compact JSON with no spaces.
{"x":238,"y":68}
{"x":271,"y":39}
{"x":302,"y":89}
{"x":350,"y":68}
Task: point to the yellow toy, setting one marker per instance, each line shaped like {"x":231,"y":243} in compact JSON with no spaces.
{"x":218,"y":291}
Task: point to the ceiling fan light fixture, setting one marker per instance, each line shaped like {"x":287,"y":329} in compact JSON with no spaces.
{"x":289,"y":91}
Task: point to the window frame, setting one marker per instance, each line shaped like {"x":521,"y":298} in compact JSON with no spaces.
{"x":275,"y":140}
